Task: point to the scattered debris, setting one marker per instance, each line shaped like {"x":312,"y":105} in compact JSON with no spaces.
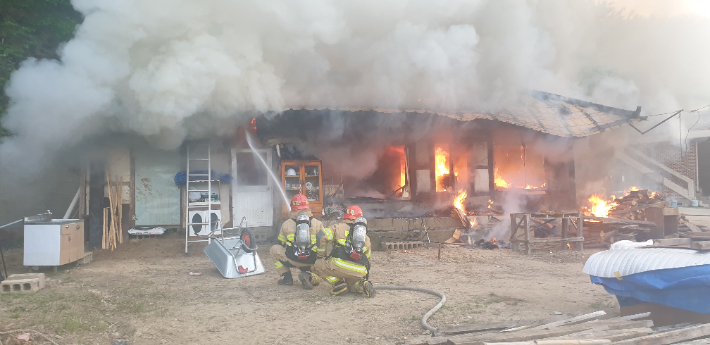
{"x":195,"y":273}
{"x":583,"y":329}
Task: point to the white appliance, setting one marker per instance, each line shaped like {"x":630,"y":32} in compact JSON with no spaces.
{"x":200,"y":216}
{"x":54,"y":242}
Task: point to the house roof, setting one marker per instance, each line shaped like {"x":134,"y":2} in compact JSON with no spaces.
{"x":544,"y":112}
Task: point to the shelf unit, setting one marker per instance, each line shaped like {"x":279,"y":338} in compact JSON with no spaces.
{"x":304,"y":177}
{"x":202,"y":185}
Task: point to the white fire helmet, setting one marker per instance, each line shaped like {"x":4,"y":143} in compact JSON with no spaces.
{"x":291,"y":172}
{"x":359,"y":233}
{"x":303,"y":234}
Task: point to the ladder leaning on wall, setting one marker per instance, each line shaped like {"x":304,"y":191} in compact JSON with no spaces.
{"x":191,"y":206}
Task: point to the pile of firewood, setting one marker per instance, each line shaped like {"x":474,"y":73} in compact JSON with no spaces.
{"x":583,"y":329}
{"x":112,"y":234}
{"x":634,"y":204}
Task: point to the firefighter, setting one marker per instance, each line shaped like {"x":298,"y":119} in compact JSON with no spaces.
{"x":344,"y":254}
{"x":297,"y":248}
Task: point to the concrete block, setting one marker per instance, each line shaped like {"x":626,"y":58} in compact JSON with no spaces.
{"x":39,"y":276}
{"x":402,"y":245}
{"x":20,"y":286}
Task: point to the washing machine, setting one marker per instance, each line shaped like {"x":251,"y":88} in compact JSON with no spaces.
{"x":201,"y":216}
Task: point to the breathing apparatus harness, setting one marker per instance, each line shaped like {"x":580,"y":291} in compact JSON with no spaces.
{"x":301,"y":250}
{"x":354,"y":248}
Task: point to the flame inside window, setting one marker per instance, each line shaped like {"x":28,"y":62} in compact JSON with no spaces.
{"x":443,"y":173}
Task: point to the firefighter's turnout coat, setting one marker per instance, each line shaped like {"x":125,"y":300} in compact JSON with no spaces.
{"x":283,"y":252}
{"x":333,"y":262}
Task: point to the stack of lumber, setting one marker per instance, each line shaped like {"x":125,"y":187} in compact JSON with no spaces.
{"x":605,"y":231}
{"x":634,"y":204}
{"x":691,"y":240}
{"x":585,"y":329}
{"x":112,"y":234}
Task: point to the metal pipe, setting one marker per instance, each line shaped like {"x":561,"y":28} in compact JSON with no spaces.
{"x":6,"y":225}
{"x":74,"y":201}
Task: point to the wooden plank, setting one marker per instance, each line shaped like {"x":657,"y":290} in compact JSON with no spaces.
{"x":691,"y":226}
{"x":672,"y":242}
{"x":480,"y":327}
{"x":630,"y":334}
{"x":571,"y":321}
{"x":621,"y":220}
{"x":670,"y":337}
{"x":632,"y":317}
{"x":532,"y":334}
{"x":558,"y":240}
{"x":611,"y":334}
{"x":557,"y":342}
{"x":700,"y":245}
{"x":574,"y":342}
{"x":697,"y":236}
{"x":695,"y":342}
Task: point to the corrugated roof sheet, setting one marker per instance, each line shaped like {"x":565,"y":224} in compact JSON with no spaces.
{"x":546,"y":113}
{"x":630,"y":261}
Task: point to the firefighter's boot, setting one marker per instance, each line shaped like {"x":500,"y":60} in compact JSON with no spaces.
{"x":286,"y":279}
{"x":368,"y":289}
{"x":339,"y":287}
{"x":305,"y":278}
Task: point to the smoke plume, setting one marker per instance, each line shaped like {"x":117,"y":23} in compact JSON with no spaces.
{"x":170,"y":70}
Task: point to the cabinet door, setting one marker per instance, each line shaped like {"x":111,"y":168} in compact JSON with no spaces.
{"x":71,"y":243}
{"x":292,"y":178}
{"x":312,"y":181}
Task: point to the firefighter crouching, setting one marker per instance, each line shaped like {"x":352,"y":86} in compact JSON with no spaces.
{"x":344,"y":254}
{"x":298,"y":244}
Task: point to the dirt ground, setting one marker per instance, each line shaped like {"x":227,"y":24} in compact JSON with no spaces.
{"x":143,"y":293}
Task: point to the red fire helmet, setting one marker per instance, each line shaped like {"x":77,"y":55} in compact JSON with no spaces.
{"x":299,"y":202}
{"x":352,"y":212}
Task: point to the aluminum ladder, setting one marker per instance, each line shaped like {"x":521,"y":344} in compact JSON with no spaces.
{"x":199,"y":178}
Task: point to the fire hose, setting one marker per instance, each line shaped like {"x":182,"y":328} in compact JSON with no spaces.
{"x":412,"y":288}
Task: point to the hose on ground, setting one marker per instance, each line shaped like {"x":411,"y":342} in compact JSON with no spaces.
{"x":412,"y":288}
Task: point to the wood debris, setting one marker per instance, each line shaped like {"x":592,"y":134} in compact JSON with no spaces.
{"x":586,"y":329}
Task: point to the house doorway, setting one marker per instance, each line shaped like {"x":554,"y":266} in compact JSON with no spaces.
{"x":252,"y":192}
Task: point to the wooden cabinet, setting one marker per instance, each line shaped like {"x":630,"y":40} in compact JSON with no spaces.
{"x":305,"y":177}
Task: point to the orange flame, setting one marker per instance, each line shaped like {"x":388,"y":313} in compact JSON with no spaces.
{"x":600,"y":207}
{"x":568,"y":246}
{"x":442,"y":168}
{"x":500,"y":182}
{"x":472,"y":222}
{"x":494,"y":241}
{"x":403,"y":165}
{"x":459,"y":199}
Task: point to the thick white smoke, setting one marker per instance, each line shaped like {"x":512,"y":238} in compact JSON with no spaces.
{"x":174,"y":69}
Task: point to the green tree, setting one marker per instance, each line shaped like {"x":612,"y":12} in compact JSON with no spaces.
{"x":31,"y":28}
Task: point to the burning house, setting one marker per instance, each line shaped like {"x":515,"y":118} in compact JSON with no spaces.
{"x":395,"y":164}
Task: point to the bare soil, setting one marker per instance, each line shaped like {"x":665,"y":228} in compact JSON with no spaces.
{"x":143,"y":293}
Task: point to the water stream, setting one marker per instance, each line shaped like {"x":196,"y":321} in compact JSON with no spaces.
{"x":268,"y":168}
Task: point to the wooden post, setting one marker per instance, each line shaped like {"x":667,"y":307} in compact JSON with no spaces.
{"x":527,"y":233}
{"x":580,"y":232}
{"x":564,"y":231}
{"x":513,"y":232}
{"x":104,"y":236}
